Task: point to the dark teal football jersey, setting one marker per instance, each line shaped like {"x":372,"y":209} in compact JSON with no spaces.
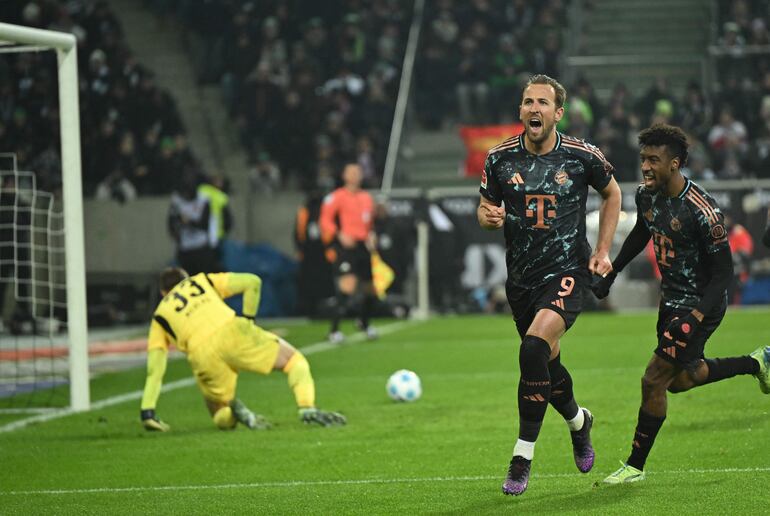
{"x":685,"y":229}
{"x":545,"y":204}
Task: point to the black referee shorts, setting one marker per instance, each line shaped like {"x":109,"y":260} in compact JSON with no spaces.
{"x":357,"y":261}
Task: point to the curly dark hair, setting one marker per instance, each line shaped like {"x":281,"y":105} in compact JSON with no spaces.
{"x":170,"y":277}
{"x":670,"y":136}
{"x":561,"y":92}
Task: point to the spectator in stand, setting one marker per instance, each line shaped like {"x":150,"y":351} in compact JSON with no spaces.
{"x":192,"y":228}
{"x":698,"y":169}
{"x":615,"y":134}
{"x":118,"y":98}
{"x":646,"y":106}
{"x":508,"y":63}
{"x":472,"y":88}
{"x":547,"y":57}
{"x":265,"y":176}
{"x":445,"y":28}
{"x":316,"y":39}
{"x":116,"y":186}
{"x":520,"y":14}
{"x":312,"y":62}
{"x":273,"y":54}
{"x":728,"y":141}
{"x":352,"y":44}
{"x":695,"y":113}
{"x":293,"y":128}
{"x":366,"y":160}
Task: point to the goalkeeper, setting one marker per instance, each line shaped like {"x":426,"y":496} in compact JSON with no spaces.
{"x":193,"y":316}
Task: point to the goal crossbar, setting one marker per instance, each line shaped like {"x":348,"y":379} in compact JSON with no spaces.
{"x":65,"y":46}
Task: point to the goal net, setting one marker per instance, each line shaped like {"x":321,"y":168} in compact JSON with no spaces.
{"x":43,"y":336}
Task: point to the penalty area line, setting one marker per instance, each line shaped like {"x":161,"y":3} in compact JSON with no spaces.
{"x":311,"y":349}
{"x":353,"y":482}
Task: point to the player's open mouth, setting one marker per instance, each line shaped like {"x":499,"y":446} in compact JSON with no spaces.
{"x":649,"y":178}
{"x":535,"y":125}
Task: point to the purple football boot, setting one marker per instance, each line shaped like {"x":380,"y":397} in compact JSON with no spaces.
{"x":581,"y":444}
{"x":518,"y":476}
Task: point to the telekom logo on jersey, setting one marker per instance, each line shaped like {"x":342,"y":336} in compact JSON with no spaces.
{"x":545,"y":205}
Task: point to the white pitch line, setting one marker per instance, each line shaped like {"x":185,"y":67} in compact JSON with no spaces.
{"x":310,"y":349}
{"x":354,"y":482}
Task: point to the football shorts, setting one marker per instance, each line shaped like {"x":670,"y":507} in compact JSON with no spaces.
{"x":685,"y":355}
{"x":357,"y":261}
{"x":240,"y":345}
{"x":563,"y":294}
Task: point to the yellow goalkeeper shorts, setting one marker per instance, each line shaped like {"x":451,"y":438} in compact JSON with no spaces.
{"x":240,"y":345}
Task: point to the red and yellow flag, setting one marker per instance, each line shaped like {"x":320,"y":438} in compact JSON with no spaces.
{"x":479,"y":139}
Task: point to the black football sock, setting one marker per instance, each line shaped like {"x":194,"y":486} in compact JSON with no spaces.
{"x":367,"y":307}
{"x":723,"y":368}
{"x":339,"y":310}
{"x":534,"y":386}
{"x":562,"y":397}
{"x":647,"y":429}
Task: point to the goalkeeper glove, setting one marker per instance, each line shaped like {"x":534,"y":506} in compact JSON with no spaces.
{"x":152,"y":423}
{"x":311,"y":416}
{"x":601,"y":286}
{"x":682,"y":328}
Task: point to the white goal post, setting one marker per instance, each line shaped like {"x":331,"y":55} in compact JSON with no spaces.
{"x":15,"y":38}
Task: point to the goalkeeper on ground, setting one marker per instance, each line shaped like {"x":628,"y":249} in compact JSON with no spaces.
{"x":193,"y":316}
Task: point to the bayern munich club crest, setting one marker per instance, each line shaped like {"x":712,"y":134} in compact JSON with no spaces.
{"x":718,"y":232}
{"x":676,"y":224}
{"x":561,"y":177}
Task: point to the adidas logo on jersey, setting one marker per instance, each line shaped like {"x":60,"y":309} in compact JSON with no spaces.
{"x":516,"y":179}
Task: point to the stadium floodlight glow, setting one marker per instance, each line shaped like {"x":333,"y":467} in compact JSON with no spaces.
{"x":21,"y":39}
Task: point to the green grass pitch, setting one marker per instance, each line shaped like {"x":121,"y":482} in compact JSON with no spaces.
{"x":446,"y":453}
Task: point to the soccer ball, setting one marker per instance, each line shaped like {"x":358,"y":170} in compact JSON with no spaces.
{"x":404,"y":385}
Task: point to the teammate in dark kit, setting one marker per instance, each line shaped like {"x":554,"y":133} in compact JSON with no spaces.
{"x":542,"y":177}
{"x":690,"y":241}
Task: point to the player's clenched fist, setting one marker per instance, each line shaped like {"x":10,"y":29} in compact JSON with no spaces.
{"x":490,"y":216}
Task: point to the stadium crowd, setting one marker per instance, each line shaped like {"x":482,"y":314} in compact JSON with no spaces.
{"x":313,"y":85}
{"x":132,"y":136}
{"x":729,"y":123}
{"x":309,"y":85}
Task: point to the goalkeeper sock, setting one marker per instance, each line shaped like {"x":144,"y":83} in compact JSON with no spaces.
{"x":301,"y":382}
{"x":224,"y":418}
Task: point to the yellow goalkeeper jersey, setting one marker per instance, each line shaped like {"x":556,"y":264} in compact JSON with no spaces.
{"x":194,"y":309}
